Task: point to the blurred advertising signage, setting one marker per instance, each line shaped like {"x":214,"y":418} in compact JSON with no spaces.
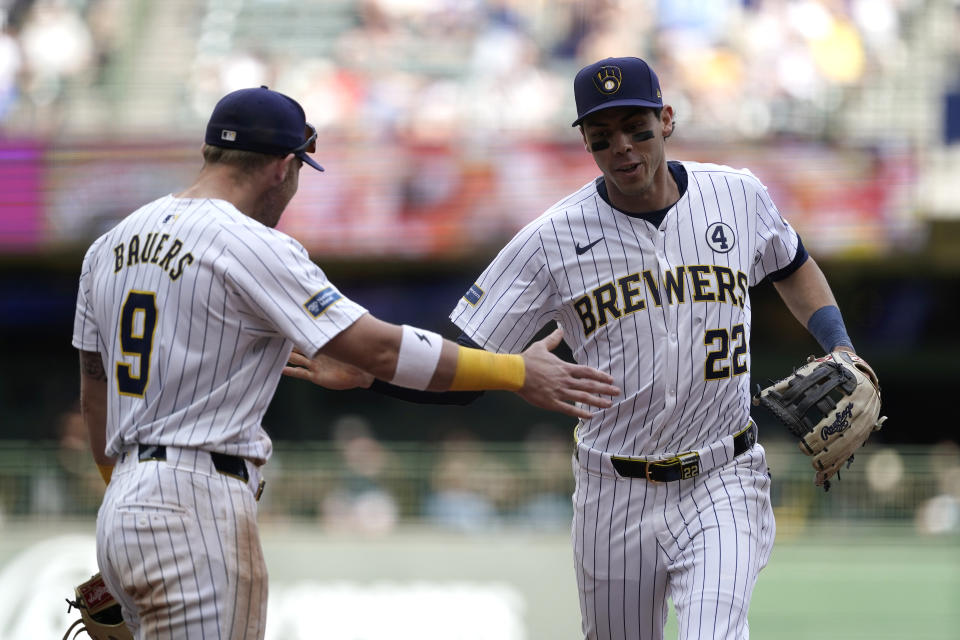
{"x":412,"y":201}
{"x":423,"y":202}
{"x":91,"y":188}
{"x":21,"y":223}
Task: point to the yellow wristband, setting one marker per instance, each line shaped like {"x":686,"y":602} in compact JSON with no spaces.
{"x":479,"y":370}
{"x":106,"y":471}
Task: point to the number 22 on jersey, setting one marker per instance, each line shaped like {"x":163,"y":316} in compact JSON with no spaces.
{"x":138,"y":322}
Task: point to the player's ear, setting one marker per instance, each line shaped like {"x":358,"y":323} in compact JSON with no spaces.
{"x":666,"y":119}
{"x":586,"y":145}
{"x":279,"y":169}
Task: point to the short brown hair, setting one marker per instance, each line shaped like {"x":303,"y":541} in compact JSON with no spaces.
{"x":243,"y":160}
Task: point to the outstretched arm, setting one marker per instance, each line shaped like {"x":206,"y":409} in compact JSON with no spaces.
{"x":420,"y":359}
{"x":328,"y":373}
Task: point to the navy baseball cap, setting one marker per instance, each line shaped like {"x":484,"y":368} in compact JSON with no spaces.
{"x":263,"y":121}
{"x":615,"y":82}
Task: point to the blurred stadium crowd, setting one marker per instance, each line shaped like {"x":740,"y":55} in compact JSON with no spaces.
{"x":446,"y":123}
{"x":358,"y":483}
{"x":449,"y":122}
{"x":836,"y":70}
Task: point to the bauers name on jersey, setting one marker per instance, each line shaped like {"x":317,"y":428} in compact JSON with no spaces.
{"x":623,"y":296}
{"x":149,"y":251}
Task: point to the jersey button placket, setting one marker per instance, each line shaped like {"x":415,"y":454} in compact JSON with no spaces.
{"x":671,"y":390}
{"x":671,"y":318}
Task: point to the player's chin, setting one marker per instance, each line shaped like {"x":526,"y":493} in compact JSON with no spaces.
{"x":632,"y":184}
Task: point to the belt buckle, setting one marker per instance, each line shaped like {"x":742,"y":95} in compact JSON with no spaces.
{"x":648,"y":469}
{"x":689,"y":463}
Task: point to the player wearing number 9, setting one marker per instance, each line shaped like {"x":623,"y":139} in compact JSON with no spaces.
{"x":186,"y":312}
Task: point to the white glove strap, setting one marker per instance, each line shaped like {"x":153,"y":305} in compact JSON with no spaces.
{"x":418,"y":358}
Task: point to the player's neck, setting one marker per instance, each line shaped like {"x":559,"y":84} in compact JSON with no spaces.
{"x":218,"y":184}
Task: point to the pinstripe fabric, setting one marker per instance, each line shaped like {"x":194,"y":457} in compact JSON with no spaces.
{"x":702,"y":542}
{"x":656,"y":353}
{"x":666,"y":311}
{"x":194,"y":307}
{"x":224,"y":327}
{"x":178,"y":546}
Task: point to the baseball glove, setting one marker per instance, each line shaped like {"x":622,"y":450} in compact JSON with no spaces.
{"x":832,"y":404}
{"x":100,"y":614}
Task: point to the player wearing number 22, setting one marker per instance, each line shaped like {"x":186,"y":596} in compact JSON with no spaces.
{"x":187,"y":311}
{"x":648,"y":269}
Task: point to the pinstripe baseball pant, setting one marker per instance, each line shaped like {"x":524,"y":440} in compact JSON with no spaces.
{"x":701,"y":542}
{"x":178,"y":546}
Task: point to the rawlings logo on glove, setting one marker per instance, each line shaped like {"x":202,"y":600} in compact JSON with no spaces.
{"x":832,"y":404}
{"x":841,"y":424}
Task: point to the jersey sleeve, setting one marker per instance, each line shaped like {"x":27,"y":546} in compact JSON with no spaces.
{"x":276,"y":277}
{"x":776,"y":243}
{"x":85,"y":331}
{"x":513,"y":298}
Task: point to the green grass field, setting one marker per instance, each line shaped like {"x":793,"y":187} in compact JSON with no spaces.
{"x":846,"y":585}
{"x":903,"y":588}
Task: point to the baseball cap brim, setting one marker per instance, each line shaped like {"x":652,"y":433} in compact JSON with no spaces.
{"x":629,"y":102}
{"x":310,"y":161}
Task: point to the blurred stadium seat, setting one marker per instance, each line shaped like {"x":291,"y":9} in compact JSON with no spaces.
{"x":365,"y":486}
{"x":872,"y":71}
{"x":840,"y":107}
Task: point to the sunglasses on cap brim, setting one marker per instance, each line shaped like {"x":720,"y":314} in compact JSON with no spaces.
{"x":310,"y":145}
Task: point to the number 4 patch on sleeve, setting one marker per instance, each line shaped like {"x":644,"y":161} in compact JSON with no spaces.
{"x":720,"y":237}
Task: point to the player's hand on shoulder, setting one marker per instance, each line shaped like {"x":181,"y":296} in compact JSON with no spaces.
{"x":552,"y":383}
{"x":326,"y":372}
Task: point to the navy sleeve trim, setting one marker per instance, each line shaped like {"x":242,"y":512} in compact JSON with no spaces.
{"x":797,"y":262}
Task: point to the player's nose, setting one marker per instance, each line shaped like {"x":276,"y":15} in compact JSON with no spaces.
{"x":622,"y":142}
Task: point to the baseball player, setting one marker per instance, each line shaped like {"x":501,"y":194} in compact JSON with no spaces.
{"x":648,"y":269}
{"x":186,"y":313}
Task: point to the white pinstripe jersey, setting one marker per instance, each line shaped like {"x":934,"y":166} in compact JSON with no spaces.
{"x":665,"y":311}
{"x":194,"y":308}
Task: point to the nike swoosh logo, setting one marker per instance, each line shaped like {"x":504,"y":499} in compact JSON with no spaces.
{"x":583,"y":250}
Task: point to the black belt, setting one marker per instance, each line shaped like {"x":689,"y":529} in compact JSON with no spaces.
{"x":229,"y":465}
{"x":680,"y":467}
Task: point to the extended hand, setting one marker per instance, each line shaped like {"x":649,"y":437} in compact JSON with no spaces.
{"x":326,"y":372}
{"x":554,"y":384}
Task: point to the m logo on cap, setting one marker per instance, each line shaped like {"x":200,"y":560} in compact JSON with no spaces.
{"x":226,"y":134}
{"x":608,"y":80}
